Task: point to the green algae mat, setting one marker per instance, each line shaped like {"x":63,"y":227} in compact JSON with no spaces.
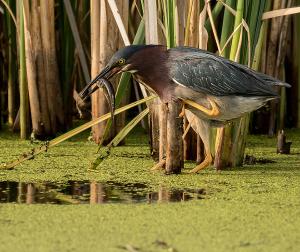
{"x":122,"y":206}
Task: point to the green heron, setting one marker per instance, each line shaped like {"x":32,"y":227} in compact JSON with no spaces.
{"x":214,"y":90}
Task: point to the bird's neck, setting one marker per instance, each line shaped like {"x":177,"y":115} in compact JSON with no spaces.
{"x":152,"y":71}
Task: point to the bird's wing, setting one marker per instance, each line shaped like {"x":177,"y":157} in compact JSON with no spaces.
{"x":206,"y":72}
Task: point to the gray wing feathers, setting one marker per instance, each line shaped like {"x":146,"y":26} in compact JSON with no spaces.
{"x":206,"y":72}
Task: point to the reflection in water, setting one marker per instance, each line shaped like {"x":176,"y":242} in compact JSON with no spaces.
{"x":80,"y":192}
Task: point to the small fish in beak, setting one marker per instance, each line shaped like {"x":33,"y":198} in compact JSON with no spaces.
{"x":100,"y":81}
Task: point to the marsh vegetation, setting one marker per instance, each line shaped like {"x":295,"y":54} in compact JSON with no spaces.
{"x":65,"y":198}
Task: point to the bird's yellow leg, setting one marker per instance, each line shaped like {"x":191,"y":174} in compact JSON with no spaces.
{"x":159,"y":166}
{"x":187,"y":128}
{"x":206,"y":162}
{"x":214,"y":111}
{"x":182,"y":113}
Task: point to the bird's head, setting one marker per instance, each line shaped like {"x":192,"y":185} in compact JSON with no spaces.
{"x":121,"y":61}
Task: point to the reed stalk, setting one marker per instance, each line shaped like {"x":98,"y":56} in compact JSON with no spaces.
{"x":95,"y":58}
{"x":280,"y":72}
{"x":257,"y":9}
{"x":40,"y":68}
{"x":156,"y":115}
{"x":180,"y":10}
{"x":67,"y":58}
{"x":192,"y":25}
{"x":79,"y":46}
{"x":36,"y":118}
{"x":215,"y":13}
{"x":59,"y":108}
{"x":24,"y":129}
{"x":271,"y":62}
{"x":236,"y":38}
{"x":228,"y":21}
{"x":121,"y":17}
{"x":55,"y":103}
{"x":11,"y":34}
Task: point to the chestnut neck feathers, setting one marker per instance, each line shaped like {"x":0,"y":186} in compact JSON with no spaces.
{"x":152,"y":70}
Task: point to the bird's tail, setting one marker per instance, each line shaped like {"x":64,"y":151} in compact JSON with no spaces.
{"x":282,"y":84}
{"x":273,"y":81}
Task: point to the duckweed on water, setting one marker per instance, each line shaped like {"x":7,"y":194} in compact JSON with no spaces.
{"x":253,"y":208}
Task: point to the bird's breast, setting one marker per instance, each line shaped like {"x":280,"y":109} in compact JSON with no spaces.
{"x":160,"y":86}
{"x":139,"y":80}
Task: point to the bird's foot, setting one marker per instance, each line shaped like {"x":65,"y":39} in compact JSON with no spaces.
{"x":207,"y":161}
{"x":214,"y":111}
{"x":159,"y":166}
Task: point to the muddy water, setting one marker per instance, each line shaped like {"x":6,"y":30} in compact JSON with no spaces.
{"x":78,"y":192}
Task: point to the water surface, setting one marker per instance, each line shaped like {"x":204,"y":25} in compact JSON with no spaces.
{"x":85,"y":192}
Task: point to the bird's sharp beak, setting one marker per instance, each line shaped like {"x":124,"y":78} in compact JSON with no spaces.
{"x":90,"y":88}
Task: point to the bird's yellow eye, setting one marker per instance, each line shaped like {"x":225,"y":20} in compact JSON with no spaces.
{"x":121,"y":61}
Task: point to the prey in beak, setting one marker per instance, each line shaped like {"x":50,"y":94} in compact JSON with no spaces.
{"x":102,"y":80}
{"x":120,"y":62}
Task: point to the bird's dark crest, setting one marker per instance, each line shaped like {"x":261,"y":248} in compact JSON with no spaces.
{"x":127,"y":51}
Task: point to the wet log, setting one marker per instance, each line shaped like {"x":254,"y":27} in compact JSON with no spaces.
{"x":174,"y":152}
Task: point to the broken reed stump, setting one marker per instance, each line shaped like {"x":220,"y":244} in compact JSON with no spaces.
{"x":283,"y":147}
{"x":174,"y":150}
